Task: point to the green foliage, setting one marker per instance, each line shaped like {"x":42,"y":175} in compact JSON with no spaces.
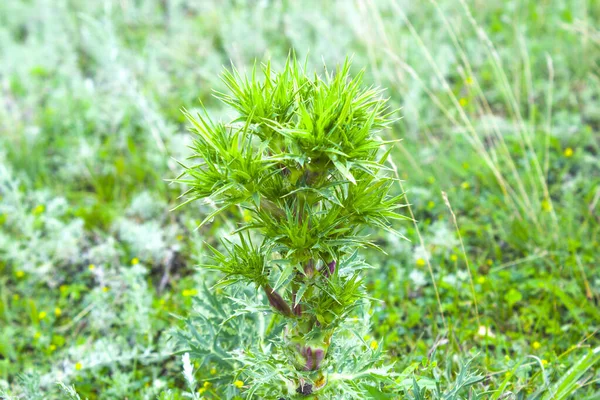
{"x":239,"y":341}
{"x":500,"y":111}
{"x":69,"y":391}
{"x":569,"y":382}
{"x":302,"y":160}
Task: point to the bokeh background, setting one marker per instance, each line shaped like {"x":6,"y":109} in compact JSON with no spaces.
{"x":500,"y":107}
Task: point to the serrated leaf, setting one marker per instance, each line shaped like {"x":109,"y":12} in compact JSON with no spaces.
{"x":300,"y":293}
{"x":212,"y":215}
{"x":285,"y":274}
{"x":344,"y":170}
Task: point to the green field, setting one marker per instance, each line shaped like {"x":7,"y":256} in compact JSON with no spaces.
{"x":495,"y":294}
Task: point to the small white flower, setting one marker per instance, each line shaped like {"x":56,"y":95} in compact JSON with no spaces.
{"x":485,"y":331}
{"x":450,"y":279}
{"x":441,"y":236}
{"x":418,"y":278}
{"x":462,"y":275}
{"x":159,"y":383}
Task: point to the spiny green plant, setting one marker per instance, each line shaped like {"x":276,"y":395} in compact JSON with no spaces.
{"x":304,"y":163}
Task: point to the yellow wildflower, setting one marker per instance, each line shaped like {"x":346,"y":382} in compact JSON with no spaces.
{"x":91,"y":267}
{"x":42,"y":314}
{"x":201,"y":390}
{"x":78,"y":366}
{"x":536,"y":345}
{"x":238,"y":384}
{"x":481,"y":280}
{"x":465,"y":185}
{"x":135,"y":261}
{"x":544,"y":362}
{"x":213,"y":371}
{"x":52,"y":347}
{"x":454,"y":257}
{"x":57,"y":312}
{"x":463,"y":102}
{"x":189,"y":292}
{"x":39,"y":209}
{"x":374,"y":345}
{"x":105,"y":289}
{"x":37,"y":335}
{"x":568,"y":152}
{"x":546,"y":206}
{"x":207,"y":385}
{"x":420,"y":262}
{"x":19,"y":274}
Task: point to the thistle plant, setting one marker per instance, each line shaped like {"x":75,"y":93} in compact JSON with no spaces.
{"x":303,"y":163}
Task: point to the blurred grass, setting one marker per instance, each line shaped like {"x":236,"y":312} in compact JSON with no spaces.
{"x":501,"y":110}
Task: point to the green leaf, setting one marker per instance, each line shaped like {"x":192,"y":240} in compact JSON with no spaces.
{"x":344,"y":170}
{"x":300,"y":293}
{"x":512,"y":297}
{"x":283,"y":277}
{"x":570,"y":381}
{"x":212,"y":215}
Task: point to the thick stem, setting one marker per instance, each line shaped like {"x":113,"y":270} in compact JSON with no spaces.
{"x":309,"y":340}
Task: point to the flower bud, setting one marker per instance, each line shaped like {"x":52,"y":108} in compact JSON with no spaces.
{"x":309,"y":268}
{"x":329,"y":269}
{"x":312,"y":357}
{"x":276,"y":301}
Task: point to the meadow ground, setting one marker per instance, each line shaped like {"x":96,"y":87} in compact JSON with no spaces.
{"x":497,"y":293}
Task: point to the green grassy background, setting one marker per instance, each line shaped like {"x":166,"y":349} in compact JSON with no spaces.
{"x":500,"y":107}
